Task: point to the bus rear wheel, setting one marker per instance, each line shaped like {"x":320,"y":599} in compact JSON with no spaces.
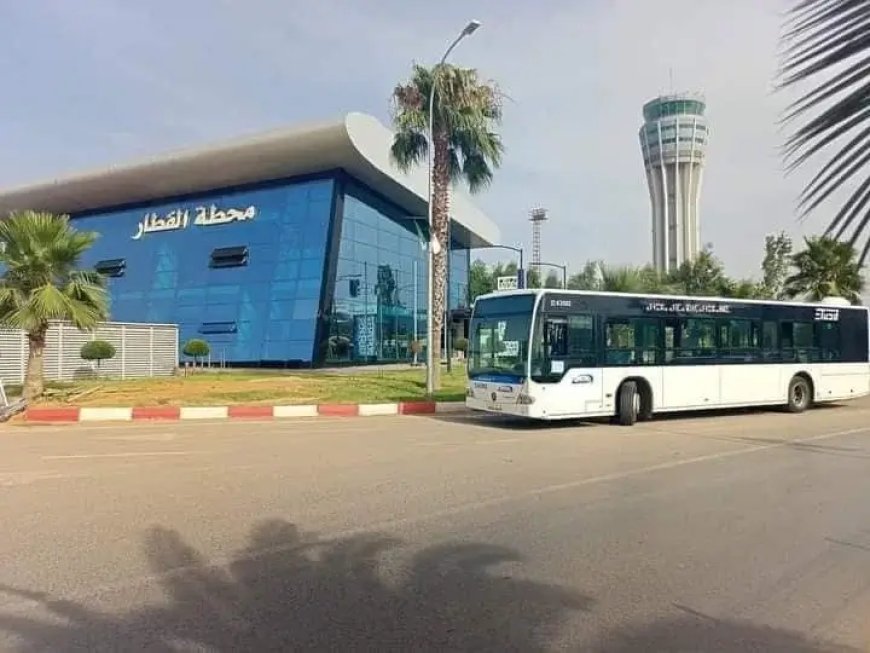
{"x":800,"y":395}
{"x":628,"y":403}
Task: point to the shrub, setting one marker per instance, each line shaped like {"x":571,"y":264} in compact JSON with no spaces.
{"x":98,"y":350}
{"x":196,"y":349}
{"x":460,"y":344}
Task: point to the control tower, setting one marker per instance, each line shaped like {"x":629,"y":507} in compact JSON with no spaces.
{"x":673,"y":140}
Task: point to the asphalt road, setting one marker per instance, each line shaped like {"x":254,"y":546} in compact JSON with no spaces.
{"x":738,"y":532}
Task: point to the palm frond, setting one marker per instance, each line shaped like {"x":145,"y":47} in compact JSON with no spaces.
{"x":454,"y":165}
{"x":408,"y":149}
{"x":51,"y":302}
{"x":477,"y":172}
{"x":829,"y":41}
{"x":465,"y":111}
{"x":820,"y":188}
{"x":849,"y":210}
{"x":809,"y":14}
{"x":825,"y":267}
{"x":41,"y":280}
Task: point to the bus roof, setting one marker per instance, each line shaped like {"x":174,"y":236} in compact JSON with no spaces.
{"x":690,"y":298}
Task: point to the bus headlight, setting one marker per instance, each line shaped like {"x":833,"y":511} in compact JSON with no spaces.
{"x":525,"y":400}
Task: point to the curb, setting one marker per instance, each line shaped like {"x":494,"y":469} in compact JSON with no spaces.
{"x":66,"y":415}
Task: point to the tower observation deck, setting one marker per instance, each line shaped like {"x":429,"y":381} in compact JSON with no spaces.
{"x":673,"y":141}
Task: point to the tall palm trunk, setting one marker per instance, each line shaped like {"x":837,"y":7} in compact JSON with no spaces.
{"x":33,"y":379}
{"x":441,"y":219}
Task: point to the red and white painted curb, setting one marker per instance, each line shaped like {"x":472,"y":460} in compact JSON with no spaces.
{"x":66,"y":414}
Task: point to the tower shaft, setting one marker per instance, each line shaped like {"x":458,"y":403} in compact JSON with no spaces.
{"x":673,"y":142}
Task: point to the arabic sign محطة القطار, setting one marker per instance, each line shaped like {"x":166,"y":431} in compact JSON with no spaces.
{"x":180,"y":218}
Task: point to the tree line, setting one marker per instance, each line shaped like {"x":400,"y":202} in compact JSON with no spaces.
{"x":823,"y":268}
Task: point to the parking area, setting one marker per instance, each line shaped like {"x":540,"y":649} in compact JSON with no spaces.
{"x":452,"y":532}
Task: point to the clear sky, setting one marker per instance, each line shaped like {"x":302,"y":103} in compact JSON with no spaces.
{"x":92,"y":82}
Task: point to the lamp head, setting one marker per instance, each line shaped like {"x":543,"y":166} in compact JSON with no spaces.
{"x":471,"y":28}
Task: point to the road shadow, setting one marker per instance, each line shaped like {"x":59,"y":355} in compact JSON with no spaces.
{"x":289,"y":591}
{"x":851,"y":545}
{"x":513,"y":423}
{"x":854,"y":452}
{"x":809,"y":447}
{"x":743,"y":410}
{"x":696,"y":632}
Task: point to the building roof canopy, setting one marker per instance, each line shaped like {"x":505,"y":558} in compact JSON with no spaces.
{"x":358,"y":144}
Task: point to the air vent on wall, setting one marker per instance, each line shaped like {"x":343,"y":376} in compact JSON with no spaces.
{"x":211,"y":328}
{"x":229,"y":257}
{"x":114,"y":267}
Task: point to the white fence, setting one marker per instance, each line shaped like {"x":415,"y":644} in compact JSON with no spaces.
{"x":141,"y":350}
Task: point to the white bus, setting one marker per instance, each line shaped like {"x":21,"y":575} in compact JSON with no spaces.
{"x":547,"y":354}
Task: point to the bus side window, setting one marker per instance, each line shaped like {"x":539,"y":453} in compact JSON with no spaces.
{"x":672,"y":339}
{"x":805,"y":350}
{"x":738,"y":340}
{"x":769,"y":341}
{"x":631,"y":341}
{"x":649,"y":332}
{"x":698,"y":339}
{"x":619,"y":342}
{"x":828,"y":340}
{"x":786,"y":341}
{"x":581,"y":349}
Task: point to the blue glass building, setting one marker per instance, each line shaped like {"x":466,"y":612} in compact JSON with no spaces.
{"x":304,"y":247}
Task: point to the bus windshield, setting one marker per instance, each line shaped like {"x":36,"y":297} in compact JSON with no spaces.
{"x":499,"y":336}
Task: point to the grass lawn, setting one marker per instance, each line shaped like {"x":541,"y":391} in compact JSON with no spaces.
{"x":228,"y":388}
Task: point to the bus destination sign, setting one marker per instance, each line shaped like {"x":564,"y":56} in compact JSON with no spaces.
{"x":694,"y":308}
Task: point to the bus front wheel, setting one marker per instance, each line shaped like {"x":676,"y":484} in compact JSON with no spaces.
{"x":628,"y":403}
{"x":800,"y":395}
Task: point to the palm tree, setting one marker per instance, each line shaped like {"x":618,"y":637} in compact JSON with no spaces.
{"x":827,"y":41}
{"x":41,"y":282}
{"x":622,"y":279}
{"x":465,"y":112}
{"x":826,"y":268}
{"x":703,"y":275}
{"x":589,"y":278}
{"x":743,"y":289}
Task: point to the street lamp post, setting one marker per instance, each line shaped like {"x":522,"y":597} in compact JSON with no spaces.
{"x":519,"y":250}
{"x":468,"y":30}
{"x":564,"y":269}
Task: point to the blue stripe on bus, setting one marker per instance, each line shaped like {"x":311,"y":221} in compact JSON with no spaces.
{"x":498,"y":378}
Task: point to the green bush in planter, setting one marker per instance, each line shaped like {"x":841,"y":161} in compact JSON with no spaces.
{"x":98,"y":350}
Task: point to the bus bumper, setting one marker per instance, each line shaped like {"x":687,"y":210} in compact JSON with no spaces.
{"x":498,"y":407}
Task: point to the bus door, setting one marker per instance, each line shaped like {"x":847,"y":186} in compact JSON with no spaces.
{"x":573,"y":381}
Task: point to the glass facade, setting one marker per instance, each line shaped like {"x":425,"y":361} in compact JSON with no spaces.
{"x":661,"y":107}
{"x":297,"y":273}
{"x":378,"y":306}
{"x":457,"y":290}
